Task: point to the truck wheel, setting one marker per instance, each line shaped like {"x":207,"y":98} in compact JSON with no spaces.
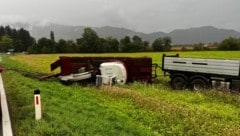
{"x":198,"y":84}
{"x":179,"y":82}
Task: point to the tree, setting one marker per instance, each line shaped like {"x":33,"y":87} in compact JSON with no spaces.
{"x":157,"y":44}
{"x":2,"y":31}
{"x":60,"y":48}
{"x":146,"y":46}
{"x":125,"y":44}
{"x":137,"y":43}
{"x":70,"y":46}
{"x":6,"y":43}
{"x":46,"y":45}
{"x":8,"y":30}
{"x":89,"y":40}
{"x":101,"y":45}
{"x":167,"y":43}
{"x":229,"y":44}
{"x":137,"y":39}
{"x":112,"y":44}
{"x":52,"y":37}
{"x":26,"y":39}
{"x":33,"y":49}
{"x":18,"y":45}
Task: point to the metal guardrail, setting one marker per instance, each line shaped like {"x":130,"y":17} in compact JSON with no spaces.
{"x":6,"y":122}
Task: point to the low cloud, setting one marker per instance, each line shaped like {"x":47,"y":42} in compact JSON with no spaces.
{"x":6,"y":19}
{"x":142,"y":16}
{"x":13,"y":19}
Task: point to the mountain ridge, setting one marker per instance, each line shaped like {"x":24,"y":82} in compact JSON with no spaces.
{"x":193,"y":35}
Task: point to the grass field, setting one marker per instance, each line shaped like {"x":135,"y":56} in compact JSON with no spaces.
{"x":133,"y":109}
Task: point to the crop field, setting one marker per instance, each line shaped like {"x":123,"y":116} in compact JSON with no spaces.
{"x":132,"y":109}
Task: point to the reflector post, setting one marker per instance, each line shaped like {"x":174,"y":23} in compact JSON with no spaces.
{"x":37,"y":103}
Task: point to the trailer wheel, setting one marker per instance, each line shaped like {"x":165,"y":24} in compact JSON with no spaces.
{"x":179,"y":81}
{"x":198,"y":84}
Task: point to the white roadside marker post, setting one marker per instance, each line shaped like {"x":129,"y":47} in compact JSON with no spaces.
{"x":37,"y":103}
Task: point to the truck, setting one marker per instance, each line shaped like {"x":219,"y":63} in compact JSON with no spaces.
{"x":201,"y":74}
{"x":184,"y":73}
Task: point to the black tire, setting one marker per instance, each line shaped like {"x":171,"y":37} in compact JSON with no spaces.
{"x":179,"y":82}
{"x":198,"y":84}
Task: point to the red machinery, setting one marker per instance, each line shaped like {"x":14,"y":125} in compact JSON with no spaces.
{"x":1,"y":70}
{"x":80,"y":68}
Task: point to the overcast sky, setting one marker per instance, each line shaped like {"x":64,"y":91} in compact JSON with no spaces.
{"x":139,"y":15}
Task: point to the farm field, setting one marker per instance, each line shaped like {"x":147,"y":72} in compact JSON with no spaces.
{"x":132,"y":109}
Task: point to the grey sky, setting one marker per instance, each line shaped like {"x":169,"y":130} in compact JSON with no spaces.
{"x":138,"y":15}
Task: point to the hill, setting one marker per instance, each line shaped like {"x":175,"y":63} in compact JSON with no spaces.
{"x":205,"y":34}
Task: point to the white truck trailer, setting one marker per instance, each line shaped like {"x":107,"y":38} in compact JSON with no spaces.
{"x":200,"y":74}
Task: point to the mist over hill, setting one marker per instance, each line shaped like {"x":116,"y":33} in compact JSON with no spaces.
{"x":205,"y":34}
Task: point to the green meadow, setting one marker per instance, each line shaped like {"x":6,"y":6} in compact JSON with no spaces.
{"x":132,"y":109}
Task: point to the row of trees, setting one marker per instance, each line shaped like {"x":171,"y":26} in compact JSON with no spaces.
{"x":229,"y":44}
{"x":21,"y":40}
{"x":90,"y":42}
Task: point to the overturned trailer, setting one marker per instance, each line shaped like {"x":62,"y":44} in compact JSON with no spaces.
{"x":104,"y":70}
